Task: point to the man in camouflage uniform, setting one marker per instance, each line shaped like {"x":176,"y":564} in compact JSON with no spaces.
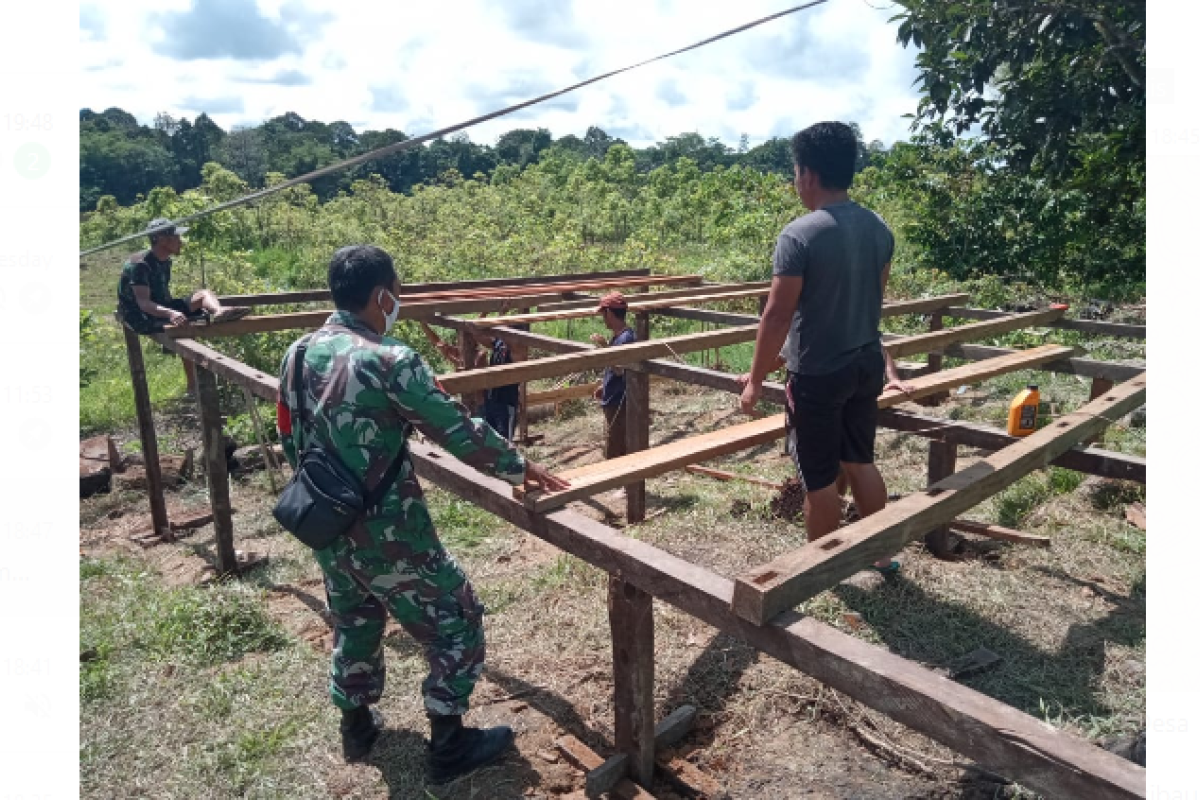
{"x":364,"y":391}
{"x":144,"y":291}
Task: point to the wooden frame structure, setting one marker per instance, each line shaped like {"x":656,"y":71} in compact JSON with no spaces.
{"x":756,"y":606}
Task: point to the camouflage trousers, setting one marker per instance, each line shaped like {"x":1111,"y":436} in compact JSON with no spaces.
{"x":393,"y":566}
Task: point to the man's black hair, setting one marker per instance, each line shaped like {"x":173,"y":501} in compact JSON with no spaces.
{"x":619,"y":312}
{"x":356,"y":272}
{"x":828,"y":149}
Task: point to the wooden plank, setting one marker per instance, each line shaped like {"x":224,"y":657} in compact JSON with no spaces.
{"x":943,"y":458}
{"x":149,"y":440}
{"x":794,"y":577}
{"x":592,"y":359}
{"x":562,"y":394}
{"x":216,"y":470}
{"x":605,"y":777}
{"x":600,"y":476}
{"x":999,"y":532}
{"x":894,"y":308}
{"x":637,"y":425}
{"x":631,"y":621}
{"x":925,"y":342}
{"x":634,"y":305}
{"x":280,"y":298}
{"x":1083,"y":325}
{"x":583,"y":758}
{"x":585,"y":301}
{"x":674,"y":727}
{"x":686,"y":776}
{"x":1089,"y":460}
{"x":1100,"y":386}
{"x":936,"y":323}
{"x":996,"y":736}
{"x":259,"y":383}
{"x":722,"y":475}
{"x":1084,"y":367}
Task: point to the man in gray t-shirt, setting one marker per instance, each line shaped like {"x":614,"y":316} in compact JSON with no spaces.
{"x":830,"y":270}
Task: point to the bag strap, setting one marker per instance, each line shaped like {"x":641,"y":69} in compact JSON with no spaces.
{"x":376,"y":495}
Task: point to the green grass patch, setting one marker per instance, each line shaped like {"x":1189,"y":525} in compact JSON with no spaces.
{"x":1015,"y":502}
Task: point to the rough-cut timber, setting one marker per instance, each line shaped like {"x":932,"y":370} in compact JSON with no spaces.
{"x":1083,"y":325}
{"x":596,"y":358}
{"x":601,"y":476}
{"x":943,"y":459}
{"x":634,"y":305}
{"x":149,"y":440}
{"x":999,"y":532}
{"x":936,"y":340}
{"x":892,"y":308}
{"x":591,"y":301}
{"x":594,"y":478}
{"x":216,"y":470}
{"x":562,"y":394}
{"x":631,"y":620}
{"x":278,"y":298}
{"x":259,"y":383}
{"x":999,"y":738}
{"x":794,"y":577}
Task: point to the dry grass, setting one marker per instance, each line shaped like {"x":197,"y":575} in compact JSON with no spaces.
{"x":158,"y":720}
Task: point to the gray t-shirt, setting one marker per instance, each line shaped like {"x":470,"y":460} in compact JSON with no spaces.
{"x":840,"y":251}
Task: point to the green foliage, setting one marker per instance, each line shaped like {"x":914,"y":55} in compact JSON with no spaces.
{"x":87,"y":335}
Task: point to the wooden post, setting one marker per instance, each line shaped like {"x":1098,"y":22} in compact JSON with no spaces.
{"x":631,"y":618}
{"x":637,"y":424}
{"x":936,"y":323}
{"x":943,"y":457}
{"x":467,"y":347}
{"x":1100,"y":386}
{"x":145,"y":417}
{"x":216,"y":469}
{"x":523,"y":407}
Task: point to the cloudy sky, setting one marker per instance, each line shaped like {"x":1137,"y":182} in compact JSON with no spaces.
{"x":421,"y":66}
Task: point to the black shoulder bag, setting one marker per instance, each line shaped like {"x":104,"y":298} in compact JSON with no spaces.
{"x":323,"y":499}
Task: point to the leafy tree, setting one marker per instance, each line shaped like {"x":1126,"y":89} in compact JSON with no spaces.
{"x":242,"y":151}
{"x":522,"y":146}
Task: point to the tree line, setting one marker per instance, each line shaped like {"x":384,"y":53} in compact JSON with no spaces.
{"x":123,"y":158}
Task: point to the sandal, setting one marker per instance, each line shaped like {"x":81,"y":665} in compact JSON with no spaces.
{"x":230,"y":313}
{"x":891,"y":569}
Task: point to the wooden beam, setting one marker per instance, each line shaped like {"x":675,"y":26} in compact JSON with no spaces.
{"x":634,"y":305}
{"x":600,"y":476}
{"x":1090,"y":460}
{"x":593,"y":359}
{"x":999,"y":532}
{"x":631,"y":621}
{"x":925,"y":342}
{"x":703,"y":288}
{"x":216,"y":470}
{"x":259,"y":383}
{"x":280,"y":298}
{"x":996,"y":736}
{"x":943,"y":458}
{"x":1084,"y":367}
{"x":146,"y":434}
{"x":765,"y":591}
{"x":723,"y":475}
{"x":892,"y":308}
{"x":1083,"y":325}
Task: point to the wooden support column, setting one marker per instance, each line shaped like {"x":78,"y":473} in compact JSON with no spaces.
{"x":523,"y":403}
{"x":1100,"y":387}
{"x":467,"y":346}
{"x":631,"y":618}
{"x":936,"y":323}
{"x":145,"y":417}
{"x":637,"y":424}
{"x":943,"y":457}
{"x":216,"y":469}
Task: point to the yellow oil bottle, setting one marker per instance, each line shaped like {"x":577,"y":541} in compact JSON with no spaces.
{"x":1022,"y":412}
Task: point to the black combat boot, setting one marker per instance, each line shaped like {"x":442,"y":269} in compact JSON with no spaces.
{"x":454,"y":750}
{"x":360,"y":729}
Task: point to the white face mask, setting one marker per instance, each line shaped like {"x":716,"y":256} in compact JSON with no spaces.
{"x":389,"y":319}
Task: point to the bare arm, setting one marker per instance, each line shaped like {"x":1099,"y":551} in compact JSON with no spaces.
{"x":894,"y":380}
{"x":148,"y":306}
{"x":772,"y":333}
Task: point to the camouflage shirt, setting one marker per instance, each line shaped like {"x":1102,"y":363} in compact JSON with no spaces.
{"x":143,"y":269}
{"x":361,"y":389}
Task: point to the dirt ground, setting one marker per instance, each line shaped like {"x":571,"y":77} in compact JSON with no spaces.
{"x":1068,"y":623}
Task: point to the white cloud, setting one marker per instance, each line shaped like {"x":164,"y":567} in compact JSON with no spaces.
{"x":418,"y":67}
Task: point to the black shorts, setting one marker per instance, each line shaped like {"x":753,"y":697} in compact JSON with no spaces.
{"x":146,"y":324}
{"x":832,"y":417}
